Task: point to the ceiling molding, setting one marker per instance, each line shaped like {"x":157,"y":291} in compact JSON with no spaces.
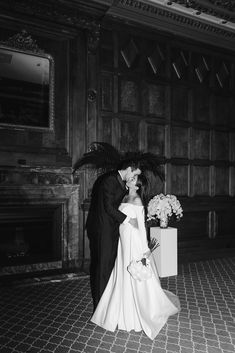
{"x":217,"y":8}
{"x":207,"y":21}
{"x":177,"y":19}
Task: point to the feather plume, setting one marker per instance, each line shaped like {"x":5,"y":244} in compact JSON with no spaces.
{"x":104,"y":157}
{"x":153,"y":244}
{"x":147,"y":162}
{"x":101,"y":156}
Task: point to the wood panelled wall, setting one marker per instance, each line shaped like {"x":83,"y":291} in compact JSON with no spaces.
{"x":175,"y":99}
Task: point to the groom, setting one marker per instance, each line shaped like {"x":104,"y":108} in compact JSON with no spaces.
{"x":103,"y":223}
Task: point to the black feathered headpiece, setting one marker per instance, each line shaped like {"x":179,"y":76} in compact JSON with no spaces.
{"x":104,"y":157}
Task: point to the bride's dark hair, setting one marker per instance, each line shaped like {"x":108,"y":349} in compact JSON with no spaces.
{"x":143,"y":192}
{"x":142,"y":183}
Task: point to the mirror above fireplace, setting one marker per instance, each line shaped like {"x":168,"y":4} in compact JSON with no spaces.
{"x":26,"y":85}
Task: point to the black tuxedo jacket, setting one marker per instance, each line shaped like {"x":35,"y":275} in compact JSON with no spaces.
{"x":104,"y":216}
{"x":102,"y":226}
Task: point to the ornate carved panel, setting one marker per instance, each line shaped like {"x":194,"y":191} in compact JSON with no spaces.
{"x":107,"y":92}
{"x":201,"y":144}
{"x":35,"y":176}
{"x":201,"y":180}
{"x":129,"y":136}
{"x":221,"y":145}
{"x":156,"y":139}
{"x":179,"y":108}
{"x":129,"y":96}
{"x":156,"y":100}
{"x":179,"y":142}
{"x":221,"y":181}
{"x":201,"y":105}
{"x":179,"y":179}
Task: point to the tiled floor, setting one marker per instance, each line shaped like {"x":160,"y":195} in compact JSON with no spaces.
{"x":53,"y":316}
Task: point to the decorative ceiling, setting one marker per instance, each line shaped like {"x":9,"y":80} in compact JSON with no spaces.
{"x":222,"y":9}
{"x":210,"y":21}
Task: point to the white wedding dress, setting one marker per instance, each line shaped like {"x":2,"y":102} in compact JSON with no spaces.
{"x":129,"y":304}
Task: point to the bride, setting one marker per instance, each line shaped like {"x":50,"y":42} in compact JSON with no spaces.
{"x":128,"y":303}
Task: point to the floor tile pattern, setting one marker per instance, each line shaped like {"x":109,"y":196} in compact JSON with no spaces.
{"x":53,"y":316}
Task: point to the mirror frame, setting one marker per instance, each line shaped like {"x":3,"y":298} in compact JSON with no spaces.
{"x":23,"y":43}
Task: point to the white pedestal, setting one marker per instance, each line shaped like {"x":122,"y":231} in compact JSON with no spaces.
{"x":166,"y":255}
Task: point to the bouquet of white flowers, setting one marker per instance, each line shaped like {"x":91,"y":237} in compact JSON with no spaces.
{"x":162,"y":207}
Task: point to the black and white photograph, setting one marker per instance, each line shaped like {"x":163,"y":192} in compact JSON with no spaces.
{"x":117,"y":176}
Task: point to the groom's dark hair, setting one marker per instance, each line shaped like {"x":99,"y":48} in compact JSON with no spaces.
{"x":124,"y":164}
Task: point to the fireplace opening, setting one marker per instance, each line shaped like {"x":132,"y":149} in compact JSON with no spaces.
{"x":30,"y":234}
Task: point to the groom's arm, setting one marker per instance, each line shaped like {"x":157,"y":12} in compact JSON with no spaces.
{"x":109,"y":189}
{"x":133,"y":222}
{"x":109,"y":193}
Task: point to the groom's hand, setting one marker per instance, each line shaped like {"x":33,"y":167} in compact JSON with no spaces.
{"x":133,"y":222}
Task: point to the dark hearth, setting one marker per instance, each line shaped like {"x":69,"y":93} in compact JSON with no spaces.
{"x":30,"y":235}
{"x":38,"y":226}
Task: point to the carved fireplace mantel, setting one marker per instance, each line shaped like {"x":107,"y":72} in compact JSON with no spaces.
{"x":30,"y":206}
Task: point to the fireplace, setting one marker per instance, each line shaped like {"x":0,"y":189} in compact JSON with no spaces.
{"x":30,"y":234}
{"x":38,"y":228}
